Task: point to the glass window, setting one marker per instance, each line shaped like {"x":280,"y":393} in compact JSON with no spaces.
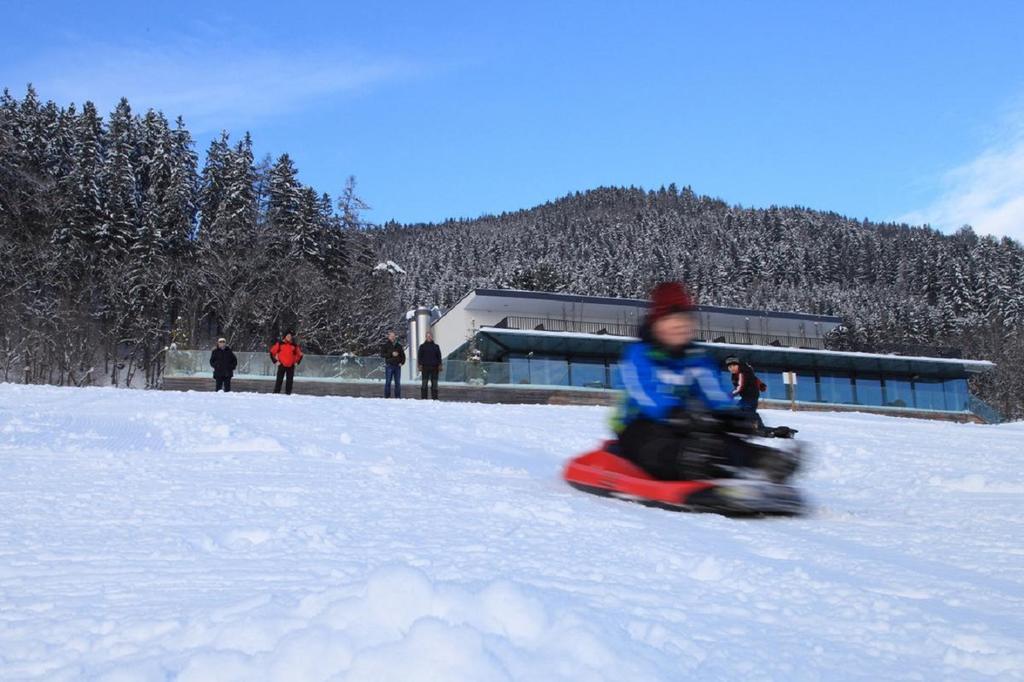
{"x":519,"y":369}
{"x":549,"y":372}
{"x":929,"y":394}
{"x":526,"y":369}
{"x":806,"y":387}
{"x":835,"y":388}
{"x":899,"y":392}
{"x":776,"y":389}
{"x":957,"y":395}
{"x":616,"y":375}
{"x":588,"y":373}
{"x":869,"y":390}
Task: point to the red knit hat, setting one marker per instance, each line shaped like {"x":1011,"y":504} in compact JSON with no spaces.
{"x":668,"y":298}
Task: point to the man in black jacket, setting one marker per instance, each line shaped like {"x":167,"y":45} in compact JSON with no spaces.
{"x":394,"y":358}
{"x":429,"y":360}
{"x":224,"y":363}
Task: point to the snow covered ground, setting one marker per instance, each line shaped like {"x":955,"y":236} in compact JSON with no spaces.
{"x":153,"y":536}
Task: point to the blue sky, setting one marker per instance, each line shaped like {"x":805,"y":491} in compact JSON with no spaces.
{"x":908,"y":110}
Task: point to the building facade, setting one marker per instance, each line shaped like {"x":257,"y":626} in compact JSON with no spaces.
{"x":530,"y":338}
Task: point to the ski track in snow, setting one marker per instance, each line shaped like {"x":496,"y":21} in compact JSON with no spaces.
{"x":188,"y":536}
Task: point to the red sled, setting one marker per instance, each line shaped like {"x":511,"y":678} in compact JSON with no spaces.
{"x":603,"y":472}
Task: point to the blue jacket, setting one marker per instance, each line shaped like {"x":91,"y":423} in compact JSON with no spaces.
{"x":656,"y":383}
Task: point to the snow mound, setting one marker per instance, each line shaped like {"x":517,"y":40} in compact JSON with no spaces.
{"x":399,"y":625}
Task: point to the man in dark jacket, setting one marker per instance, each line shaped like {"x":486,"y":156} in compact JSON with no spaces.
{"x":429,"y":360}
{"x":224,"y":363}
{"x":394,"y":357}
{"x":287,"y":355}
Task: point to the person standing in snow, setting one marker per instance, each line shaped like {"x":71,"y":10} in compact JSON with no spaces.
{"x":429,"y":359}
{"x":394,"y":357}
{"x":676,"y":420}
{"x":224,"y":363}
{"x":287,"y":355}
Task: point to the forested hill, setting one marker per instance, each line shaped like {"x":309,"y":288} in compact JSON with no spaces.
{"x":118,"y":240}
{"x":891,"y":284}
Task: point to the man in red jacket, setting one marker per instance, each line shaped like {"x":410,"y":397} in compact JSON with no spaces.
{"x":286,"y":354}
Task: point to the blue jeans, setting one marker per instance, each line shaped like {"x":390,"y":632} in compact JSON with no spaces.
{"x":392,"y":372}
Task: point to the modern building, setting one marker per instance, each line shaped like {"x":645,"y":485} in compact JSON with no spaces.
{"x":527,"y":338}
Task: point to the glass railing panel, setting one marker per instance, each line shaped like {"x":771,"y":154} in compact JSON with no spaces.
{"x":541,"y":372}
{"x":988,"y":414}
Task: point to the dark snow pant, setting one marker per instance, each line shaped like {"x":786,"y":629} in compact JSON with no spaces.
{"x":750,"y":406}
{"x":429,"y":374}
{"x":393,"y":372}
{"x":283,"y":372}
{"x":223,"y":383}
{"x":668,"y":454}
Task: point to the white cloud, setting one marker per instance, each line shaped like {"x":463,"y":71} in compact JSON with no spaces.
{"x":212,"y":87}
{"x":986,"y":192}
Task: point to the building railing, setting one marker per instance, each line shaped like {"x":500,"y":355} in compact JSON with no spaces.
{"x":196,"y":363}
{"x":562,"y":374}
{"x":984,"y":411}
{"x":185,"y":363}
{"x":547,"y":324}
{"x":633,"y":330}
{"x":914,"y":350}
{"x":756,"y":339}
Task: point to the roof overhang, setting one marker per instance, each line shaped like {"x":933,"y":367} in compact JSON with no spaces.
{"x":803,"y":358}
{"x":553,"y":343}
{"x":795,"y":359}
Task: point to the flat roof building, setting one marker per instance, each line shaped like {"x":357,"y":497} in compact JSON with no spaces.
{"x":552,"y":339}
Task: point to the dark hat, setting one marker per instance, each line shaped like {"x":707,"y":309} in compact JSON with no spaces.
{"x":732,"y":360}
{"x":289,"y":331}
{"x":668,"y":298}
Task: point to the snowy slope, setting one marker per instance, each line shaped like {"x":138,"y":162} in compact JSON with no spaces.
{"x":152,"y":536}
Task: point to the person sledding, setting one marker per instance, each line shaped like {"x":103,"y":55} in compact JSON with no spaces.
{"x":676,"y":421}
